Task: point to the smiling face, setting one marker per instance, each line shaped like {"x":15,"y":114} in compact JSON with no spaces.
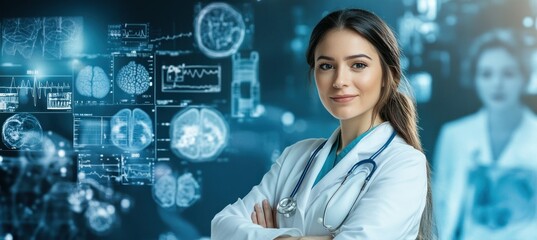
{"x":499,"y":81}
{"x":348,"y":75}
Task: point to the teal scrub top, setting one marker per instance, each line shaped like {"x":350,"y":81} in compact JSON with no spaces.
{"x":334,"y":158}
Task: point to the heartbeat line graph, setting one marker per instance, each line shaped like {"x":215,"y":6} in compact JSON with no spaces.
{"x":136,"y":171}
{"x":191,"y":78}
{"x":99,"y":171}
{"x":36,"y":87}
{"x":135,"y":34}
{"x":173,"y":37}
{"x":120,"y":169}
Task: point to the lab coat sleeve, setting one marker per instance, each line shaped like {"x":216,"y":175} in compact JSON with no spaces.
{"x":392,"y":206}
{"x":234,"y":221}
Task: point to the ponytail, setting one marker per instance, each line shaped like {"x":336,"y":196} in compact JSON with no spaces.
{"x":401,"y":112}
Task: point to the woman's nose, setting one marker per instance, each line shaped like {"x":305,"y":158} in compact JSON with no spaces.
{"x":341,"y":79}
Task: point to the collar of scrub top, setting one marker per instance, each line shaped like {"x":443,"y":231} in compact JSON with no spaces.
{"x":334,"y":158}
{"x":314,"y":154}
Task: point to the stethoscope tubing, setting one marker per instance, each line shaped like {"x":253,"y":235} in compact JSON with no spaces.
{"x":370,"y":160}
{"x":303,"y":175}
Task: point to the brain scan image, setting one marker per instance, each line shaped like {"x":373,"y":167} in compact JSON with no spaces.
{"x":219,"y":30}
{"x":100,"y":216}
{"x":133,"y":78}
{"x":198,"y":134}
{"x":131,"y":130}
{"x":188,"y":190}
{"x":164,"y":190}
{"x":22,"y":130}
{"x":92,"y":81}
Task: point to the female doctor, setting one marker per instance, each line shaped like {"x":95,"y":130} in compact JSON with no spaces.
{"x":369,"y":179}
{"x":487,"y":179}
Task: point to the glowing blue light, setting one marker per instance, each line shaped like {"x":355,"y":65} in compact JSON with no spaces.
{"x":288,"y":118}
{"x":527,"y":21}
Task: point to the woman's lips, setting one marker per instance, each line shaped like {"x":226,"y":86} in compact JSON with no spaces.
{"x":343,"y":98}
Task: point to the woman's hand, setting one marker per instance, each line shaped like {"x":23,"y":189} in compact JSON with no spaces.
{"x":264,"y":216}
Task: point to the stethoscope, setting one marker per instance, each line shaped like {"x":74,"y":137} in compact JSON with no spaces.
{"x":287,"y":206}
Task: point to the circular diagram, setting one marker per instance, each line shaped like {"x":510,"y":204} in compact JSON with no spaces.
{"x":22,"y":130}
{"x":198,"y":135}
{"x":131,"y":131}
{"x":219,"y":30}
{"x":92,"y":82}
{"x":133,"y":78}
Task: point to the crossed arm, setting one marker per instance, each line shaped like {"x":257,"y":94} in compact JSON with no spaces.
{"x":263,"y":215}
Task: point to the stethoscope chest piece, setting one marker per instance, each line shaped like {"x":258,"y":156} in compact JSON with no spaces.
{"x":286,"y":207}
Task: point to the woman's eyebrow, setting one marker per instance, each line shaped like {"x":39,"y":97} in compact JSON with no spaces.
{"x":361,"y":55}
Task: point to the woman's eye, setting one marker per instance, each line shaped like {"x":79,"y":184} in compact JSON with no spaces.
{"x":359,"y":65}
{"x":325,"y":66}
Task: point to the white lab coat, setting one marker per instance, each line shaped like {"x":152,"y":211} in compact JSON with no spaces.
{"x":462,"y":146}
{"x":389,"y":208}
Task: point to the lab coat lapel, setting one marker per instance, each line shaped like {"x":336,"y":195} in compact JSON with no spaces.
{"x":512,"y":155}
{"x":304,"y":192}
{"x":483,"y":155}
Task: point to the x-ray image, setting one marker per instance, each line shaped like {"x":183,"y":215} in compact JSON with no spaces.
{"x":62,"y":37}
{"x":49,"y":37}
{"x":20,"y":35}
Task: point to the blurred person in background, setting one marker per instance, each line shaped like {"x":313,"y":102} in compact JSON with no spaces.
{"x":484,"y":164}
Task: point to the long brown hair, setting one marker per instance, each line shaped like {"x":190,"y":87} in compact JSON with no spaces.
{"x":393,"y":105}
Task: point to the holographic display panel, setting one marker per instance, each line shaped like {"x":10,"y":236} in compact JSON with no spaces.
{"x":35,"y":93}
{"x":129,"y":37}
{"x":191,"y":78}
{"x":48,"y":37}
{"x":193,"y":134}
{"x":115,"y":144}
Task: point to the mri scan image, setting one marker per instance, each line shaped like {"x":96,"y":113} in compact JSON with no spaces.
{"x":131,"y":130}
{"x":219,"y":30}
{"x":198,"y":134}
